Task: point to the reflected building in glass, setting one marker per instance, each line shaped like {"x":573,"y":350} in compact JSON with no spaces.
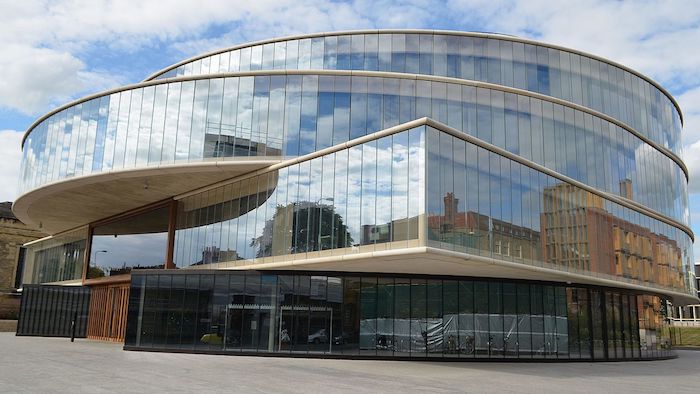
{"x":391,"y":194}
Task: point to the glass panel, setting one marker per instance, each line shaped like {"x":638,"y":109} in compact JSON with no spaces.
{"x":160,"y":326}
{"x":292,"y":115}
{"x":510,"y":320}
{"x":189,"y":312}
{"x":350,"y":337}
{"x":235,"y":331}
{"x":316,"y":116}
{"x":481,"y":319}
{"x":434,"y":328}
{"x":261,"y":97}
{"x":213,"y":122}
{"x":174,"y":311}
{"x":56,"y":259}
{"x":320,"y":315}
{"x":300,"y":332}
{"x":243,"y":128}
{"x":418,"y":327}
{"x":341,"y":110}
{"x":171,"y":123}
{"x":199,"y":120}
{"x":369,"y":191}
{"x":524,"y":344}
{"x":496,"y":337}
{"x":137,"y":242}
{"x":207,"y":333}
{"x":368,"y":316}
{"x":121,"y":130}
{"x":450,"y":318}
{"x":599,"y":345}
{"x":145,"y":125}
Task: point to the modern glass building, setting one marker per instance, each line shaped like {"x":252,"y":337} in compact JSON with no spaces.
{"x":392,"y":193}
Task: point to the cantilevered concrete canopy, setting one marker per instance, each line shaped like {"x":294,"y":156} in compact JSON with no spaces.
{"x":70,"y":203}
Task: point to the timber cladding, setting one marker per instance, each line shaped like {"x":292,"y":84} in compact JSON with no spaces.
{"x":108,"y":310}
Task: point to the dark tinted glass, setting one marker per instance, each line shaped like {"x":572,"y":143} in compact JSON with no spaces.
{"x":386,"y":316}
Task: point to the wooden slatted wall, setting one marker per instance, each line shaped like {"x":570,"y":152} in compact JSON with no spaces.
{"x":108,"y":310}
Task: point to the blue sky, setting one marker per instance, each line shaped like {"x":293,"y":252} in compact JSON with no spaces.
{"x":56,"y":51}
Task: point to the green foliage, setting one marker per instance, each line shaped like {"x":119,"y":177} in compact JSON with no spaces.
{"x":95,"y":272}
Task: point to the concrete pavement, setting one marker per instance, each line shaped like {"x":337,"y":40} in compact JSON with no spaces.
{"x":56,"y":365}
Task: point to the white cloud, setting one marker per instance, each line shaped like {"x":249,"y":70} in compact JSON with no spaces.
{"x":129,"y":22}
{"x":258,"y":19}
{"x":690,"y":103}
{"x":11,"y":155}
{"x":44,"y":41}
{"x":691,"y":158}
{"x":637,"y":34}
{"x":652,"y":37}
{"x":34,"y":78}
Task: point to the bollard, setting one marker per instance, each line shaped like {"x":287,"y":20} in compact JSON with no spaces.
{"x":72,"y":327}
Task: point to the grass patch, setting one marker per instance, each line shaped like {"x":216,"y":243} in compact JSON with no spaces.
{"x":685,"y":336}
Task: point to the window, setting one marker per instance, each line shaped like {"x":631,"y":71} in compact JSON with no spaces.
{"x":20,"y":267}
{"x":138,"y":241}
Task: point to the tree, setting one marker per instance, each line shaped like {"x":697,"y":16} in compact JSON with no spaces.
{"x":306,"y":226}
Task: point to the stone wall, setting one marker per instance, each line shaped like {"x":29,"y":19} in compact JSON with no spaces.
{"x":9,"y":306}
{"x":13,"y":234}
{"x":8,"y":325}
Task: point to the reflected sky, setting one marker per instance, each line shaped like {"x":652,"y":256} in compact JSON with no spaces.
{"x":129,"y":250}
{"x":258,"y":116}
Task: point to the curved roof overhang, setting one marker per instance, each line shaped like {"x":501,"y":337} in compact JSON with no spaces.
{"x":73,"y":202}
{"x":426,"y":260}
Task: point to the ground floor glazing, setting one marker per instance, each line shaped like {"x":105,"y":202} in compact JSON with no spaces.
{"x":379,"y":315}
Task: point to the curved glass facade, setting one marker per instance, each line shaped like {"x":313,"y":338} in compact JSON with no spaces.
{"x":484,"y":203}
{"x":411,"y":189}
{"x":391,"y":316}
{"x":427,"y":162}
{"x":298,"y":114}
{"x":501,"y":60}
{"x":365,"y":198}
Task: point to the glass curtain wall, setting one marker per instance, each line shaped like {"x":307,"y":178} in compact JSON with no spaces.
{"x":364,"y":198}
{"x":478,"y":202}
{"x":481,"y":203}
{"x":371,"y":197}
{"x":56,"y":259}
{"x":299,"y":114}
{"x":577,"y":78}
{"x":135,"y":242}
{"x":383,"y":316}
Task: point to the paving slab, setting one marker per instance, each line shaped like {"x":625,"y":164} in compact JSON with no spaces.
{"x":32,"y":364}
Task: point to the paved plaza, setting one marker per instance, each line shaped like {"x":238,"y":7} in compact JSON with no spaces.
{"x":30,"y":364}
